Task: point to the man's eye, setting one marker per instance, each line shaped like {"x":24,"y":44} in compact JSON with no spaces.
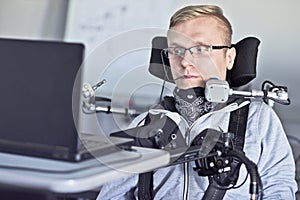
{"x":201,"y":49}
{"x":177,"y":51}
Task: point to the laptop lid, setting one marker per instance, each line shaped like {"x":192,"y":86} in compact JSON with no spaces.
{"x":36,"y":86}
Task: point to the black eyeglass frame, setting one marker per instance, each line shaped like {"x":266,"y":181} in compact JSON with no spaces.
{"x":205,"y":49}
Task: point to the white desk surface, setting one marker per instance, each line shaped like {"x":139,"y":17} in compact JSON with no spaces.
{"x":66,"y":177}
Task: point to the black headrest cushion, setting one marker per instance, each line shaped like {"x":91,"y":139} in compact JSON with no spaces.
{"x":243,"y":71}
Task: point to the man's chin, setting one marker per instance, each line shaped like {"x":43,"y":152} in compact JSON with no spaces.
{"x":186,"y":85}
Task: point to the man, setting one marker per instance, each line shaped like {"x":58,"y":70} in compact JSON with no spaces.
{"x":199,"y":43}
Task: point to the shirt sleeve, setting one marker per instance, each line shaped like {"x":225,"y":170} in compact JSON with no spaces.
{"x":276,"y":164}
{"x":123,"y":189}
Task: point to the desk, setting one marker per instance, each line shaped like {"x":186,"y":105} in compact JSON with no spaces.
{"x":65,"y":177}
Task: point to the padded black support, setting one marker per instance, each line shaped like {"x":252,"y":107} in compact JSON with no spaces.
{"x":158,"y":60}
{"x":244,"y":68}
{"x":243,"y":71}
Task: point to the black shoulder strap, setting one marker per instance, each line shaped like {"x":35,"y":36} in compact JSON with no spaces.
{"x":145,"y":182}
{"x":237,"y":126}
{"x":145,"y":186}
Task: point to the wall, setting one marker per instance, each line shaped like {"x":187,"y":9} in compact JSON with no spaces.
{"x":33,"y":19}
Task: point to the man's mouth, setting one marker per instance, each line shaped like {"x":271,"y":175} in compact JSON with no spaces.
{"x":189,"y":76}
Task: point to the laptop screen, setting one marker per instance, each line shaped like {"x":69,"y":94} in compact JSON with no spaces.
{"x":36,"y":85}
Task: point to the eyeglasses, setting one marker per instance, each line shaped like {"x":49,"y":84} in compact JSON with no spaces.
{"x":195,"y":51}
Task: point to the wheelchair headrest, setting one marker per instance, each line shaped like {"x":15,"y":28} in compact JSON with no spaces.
{"x":243,"y":71}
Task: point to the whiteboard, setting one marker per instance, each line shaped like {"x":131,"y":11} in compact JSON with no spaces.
{"x":117,"y":36}
{"x":93,"y":21}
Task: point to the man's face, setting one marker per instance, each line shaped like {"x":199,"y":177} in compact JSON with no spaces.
{"x":193,"y":71}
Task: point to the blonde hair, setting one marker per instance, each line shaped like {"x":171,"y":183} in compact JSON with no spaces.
{"x":190,"y":12}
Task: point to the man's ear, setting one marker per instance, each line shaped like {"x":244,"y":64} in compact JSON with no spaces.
{"x":230,"y":56}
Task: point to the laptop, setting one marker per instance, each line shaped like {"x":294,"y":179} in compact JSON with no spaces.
{"x":36,"y":116}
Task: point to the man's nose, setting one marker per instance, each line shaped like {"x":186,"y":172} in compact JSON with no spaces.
{"x":186,"y":59}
